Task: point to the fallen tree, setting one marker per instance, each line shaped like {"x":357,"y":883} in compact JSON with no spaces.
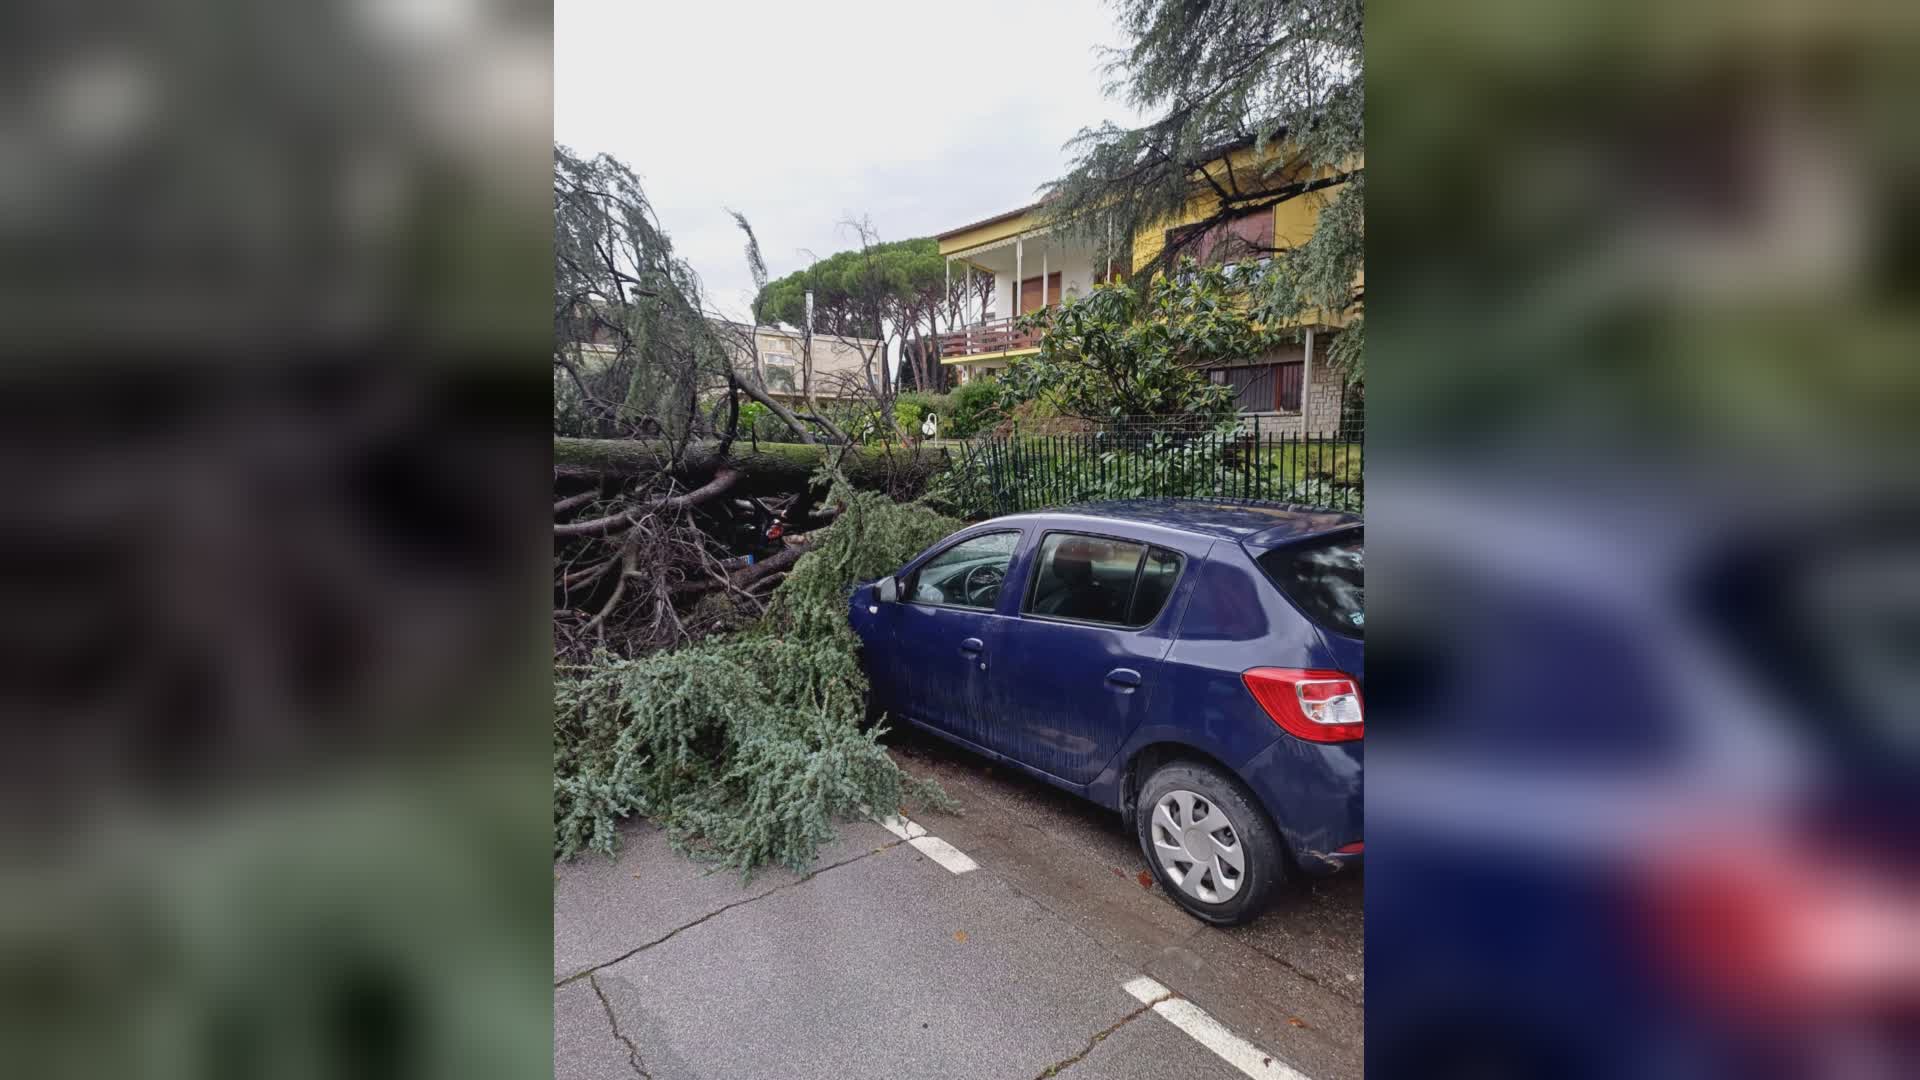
{"x":746,"y":746}
{"x":645,"y":531}
{"x":704,"y":673}
{"x":768,"y":468}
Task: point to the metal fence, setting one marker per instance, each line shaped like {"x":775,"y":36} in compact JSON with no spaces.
{"x":1254,"y":457}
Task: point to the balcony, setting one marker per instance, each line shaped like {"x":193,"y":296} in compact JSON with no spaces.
{"x":984,"y":339}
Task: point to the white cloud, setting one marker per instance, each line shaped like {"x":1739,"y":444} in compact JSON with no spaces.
{"x":921,"y":116}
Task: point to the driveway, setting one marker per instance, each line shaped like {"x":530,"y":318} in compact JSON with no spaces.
{"x":1014,"y":941}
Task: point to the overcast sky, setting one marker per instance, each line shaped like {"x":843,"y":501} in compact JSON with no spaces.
{"x":921,"y":116}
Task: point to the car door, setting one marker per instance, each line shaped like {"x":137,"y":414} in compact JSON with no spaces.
{"x":946,"y":632}
{"x":1077,"y":667}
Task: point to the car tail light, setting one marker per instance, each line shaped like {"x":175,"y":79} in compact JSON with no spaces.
{"x":1320,"y":706}
{"x":1763,"y":926}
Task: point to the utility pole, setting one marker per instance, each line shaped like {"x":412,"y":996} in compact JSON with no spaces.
{"x":806,"y":352}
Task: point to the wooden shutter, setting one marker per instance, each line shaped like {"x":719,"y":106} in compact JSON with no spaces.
{"x":1287,"y":397}
{"x":1262,"y":387}
{"x":1033,"y":296}
{"x":1252,"y":387}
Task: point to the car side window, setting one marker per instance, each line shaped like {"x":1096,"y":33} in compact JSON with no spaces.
{"x":1102,"y":580}
{"x":1157,"y":577}
{"x":968,"y":574}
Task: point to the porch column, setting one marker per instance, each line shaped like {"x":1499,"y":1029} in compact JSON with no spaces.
{"x":1019,"y":255}
{"x":1306,"y":386}
{"x":966,"y":308}
{"x":1043,"y":277}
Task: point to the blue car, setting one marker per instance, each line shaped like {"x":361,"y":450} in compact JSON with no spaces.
{"x":1193,"y":665}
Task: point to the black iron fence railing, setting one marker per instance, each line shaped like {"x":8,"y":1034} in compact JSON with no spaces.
{"x":1254,"y":457}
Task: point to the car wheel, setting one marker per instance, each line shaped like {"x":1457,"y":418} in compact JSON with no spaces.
{"x":1210,"y":846}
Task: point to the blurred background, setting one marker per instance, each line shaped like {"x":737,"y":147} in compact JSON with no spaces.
{"x":273,"y":417}
{"x":1643,"y":644}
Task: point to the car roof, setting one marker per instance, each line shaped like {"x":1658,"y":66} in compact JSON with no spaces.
{"x":1254,"y":523}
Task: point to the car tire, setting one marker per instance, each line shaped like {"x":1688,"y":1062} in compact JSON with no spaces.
{"x":1194,"y":796}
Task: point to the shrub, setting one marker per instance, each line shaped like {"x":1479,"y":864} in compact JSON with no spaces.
{"x":929,"y":401}
{"x":909,"y":414}
{"x":940,"y":405}
{"x":976,"y":406}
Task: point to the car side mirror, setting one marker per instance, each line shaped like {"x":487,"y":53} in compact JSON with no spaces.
{"x":888,"y":590}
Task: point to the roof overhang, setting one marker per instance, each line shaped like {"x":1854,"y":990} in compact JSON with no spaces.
{"x":997,"y":231}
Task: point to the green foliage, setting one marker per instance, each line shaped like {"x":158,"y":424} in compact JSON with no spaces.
{"x":869,"y":427}
{"x":1021,"y":473}
{"x":908,"y":415}
{"x":757,"y":422}
{"x":975,"y":407}
{"x":871,"y":538}
{"x":1132,"y":352}
{"x":653,"y":352}
{"x":744,"y":748}
{"x":850,"y":288}
{"x":929,"y":402}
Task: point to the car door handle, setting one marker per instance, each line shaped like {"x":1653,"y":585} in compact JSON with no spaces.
{"x":972,"y":645}
{"x":1123,"y":679}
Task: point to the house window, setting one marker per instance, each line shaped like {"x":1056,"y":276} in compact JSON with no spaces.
{"x":1263,"y":387}
{"x":779,"y":371}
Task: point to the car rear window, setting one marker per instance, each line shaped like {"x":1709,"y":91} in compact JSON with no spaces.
{"x":1323,"y":577}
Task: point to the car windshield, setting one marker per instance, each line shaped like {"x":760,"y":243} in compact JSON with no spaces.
{"x":1323,"y":577}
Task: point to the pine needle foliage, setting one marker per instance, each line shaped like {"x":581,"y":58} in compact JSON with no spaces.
{"x":745,"y":748}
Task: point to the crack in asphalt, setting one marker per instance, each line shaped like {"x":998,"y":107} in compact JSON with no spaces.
{"x":1343,"y":992}
{"x":633,"y":1052}
{"x":1098,"y":1037}
{"x":638,"y":949}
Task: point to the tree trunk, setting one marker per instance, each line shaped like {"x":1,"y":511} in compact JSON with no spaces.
{"x":771,"y":469}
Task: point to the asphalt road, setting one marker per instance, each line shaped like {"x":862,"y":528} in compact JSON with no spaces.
{"x":883,"y":962}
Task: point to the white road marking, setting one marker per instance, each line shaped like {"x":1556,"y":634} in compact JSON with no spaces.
{"x":944,"y":853}
{"x":901,"y":827}
{"x":1209,"y":1032}
{"x":932,"y":847}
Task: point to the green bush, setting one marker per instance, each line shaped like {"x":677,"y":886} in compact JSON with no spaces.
{"x":940,"y":405}
{"x":976,"y":406}
{"x":909,"y":414}
{"x":929,"y":401}
{"x":744,"y":748}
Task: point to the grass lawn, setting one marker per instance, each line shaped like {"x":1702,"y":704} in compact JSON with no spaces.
{"x":1339,"y":461}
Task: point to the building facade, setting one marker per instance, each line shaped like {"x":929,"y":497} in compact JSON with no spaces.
{"x":1293,"y":388}
{"x":839,"y":370}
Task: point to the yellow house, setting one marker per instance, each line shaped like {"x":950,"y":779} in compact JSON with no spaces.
{"x":1293,"y":387}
